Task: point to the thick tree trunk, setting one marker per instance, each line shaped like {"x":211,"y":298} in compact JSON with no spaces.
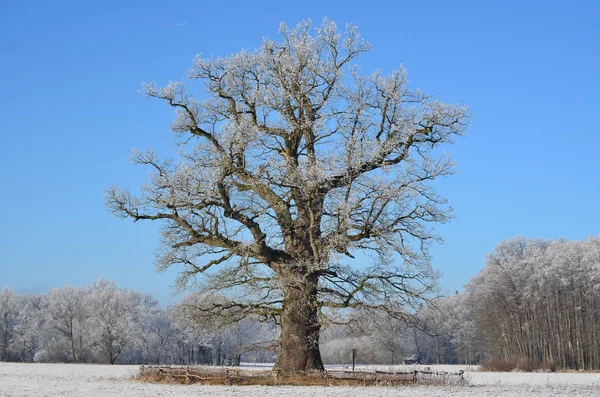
{"x":300,"y":327}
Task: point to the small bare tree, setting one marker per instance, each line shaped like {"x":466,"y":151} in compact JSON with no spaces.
{"x":67,"y":315}
{"x":293,"y":162}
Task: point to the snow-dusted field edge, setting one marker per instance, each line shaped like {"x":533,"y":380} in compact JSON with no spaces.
{"x":103,"y":380}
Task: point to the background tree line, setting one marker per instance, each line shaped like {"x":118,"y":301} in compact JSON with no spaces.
{"x":538,"y":301}
{"x":536,"y":304}
{"x":106,"y":324}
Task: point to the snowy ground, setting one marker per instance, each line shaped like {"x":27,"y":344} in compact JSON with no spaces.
{"x":104,"y":380}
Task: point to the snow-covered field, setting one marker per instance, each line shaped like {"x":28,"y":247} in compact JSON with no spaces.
{"x":117,"y":380}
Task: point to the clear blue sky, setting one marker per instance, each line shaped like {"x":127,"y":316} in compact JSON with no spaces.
{"x":70,"y":115}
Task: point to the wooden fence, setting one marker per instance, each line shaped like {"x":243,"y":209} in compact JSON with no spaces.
{"x":238,"y":376}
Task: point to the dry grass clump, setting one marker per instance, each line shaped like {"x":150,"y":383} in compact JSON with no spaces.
{"x":495,"y":364}
{"x":535,"y":366}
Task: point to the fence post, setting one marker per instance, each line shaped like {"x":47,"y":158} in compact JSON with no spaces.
{"x":353,"y":358}
{"x":415,"y":376}
{"x":227,"y":374}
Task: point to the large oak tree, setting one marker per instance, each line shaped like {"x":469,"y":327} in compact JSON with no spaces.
{"x":290,"y":164}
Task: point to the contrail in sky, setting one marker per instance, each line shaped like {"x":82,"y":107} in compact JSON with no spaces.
{"x":179,"y":25}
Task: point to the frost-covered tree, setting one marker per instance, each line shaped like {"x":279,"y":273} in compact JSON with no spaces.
{"x":151,"y":330}
{"x":154,"y":335}
{"x":393,"y":337}
{"x":67,"y":315}
{"x":375,"y":337}
{"x":110,"y":323}
{"x":291,"y":162}
{"x":448,"y":335}
{"x":8,"y":316}
{"x":28,"y":327}
{"x":216,"y":342}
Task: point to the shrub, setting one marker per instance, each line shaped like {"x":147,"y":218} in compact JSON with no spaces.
{"x":528,"y":365}
{"x":496,"y":364}
{"x":531,"y":365}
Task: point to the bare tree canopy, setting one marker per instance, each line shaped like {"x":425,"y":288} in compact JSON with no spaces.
{"x":290,"y":165}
